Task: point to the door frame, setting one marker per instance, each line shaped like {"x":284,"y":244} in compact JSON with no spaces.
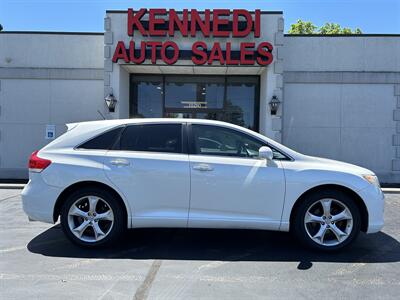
{"x":236,"y":161}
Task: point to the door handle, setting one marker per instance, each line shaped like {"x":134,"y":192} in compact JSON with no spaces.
{"x":119,"y":162}
{"x":203,"y":167}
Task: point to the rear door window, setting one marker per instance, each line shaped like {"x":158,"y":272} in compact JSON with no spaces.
{"x":152,"y":138}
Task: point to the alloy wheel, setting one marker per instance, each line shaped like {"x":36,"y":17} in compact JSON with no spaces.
{"x":328,"y":222}
{"x":90,"y":218}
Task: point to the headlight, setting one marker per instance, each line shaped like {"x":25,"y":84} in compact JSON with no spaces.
{"x":372,"y":179}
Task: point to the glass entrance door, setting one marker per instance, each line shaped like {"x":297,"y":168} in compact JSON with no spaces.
{"x":233,"y":99}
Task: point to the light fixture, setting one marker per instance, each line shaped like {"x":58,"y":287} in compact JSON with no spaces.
{"x":111,"y":102}
{"x":274,"y":105}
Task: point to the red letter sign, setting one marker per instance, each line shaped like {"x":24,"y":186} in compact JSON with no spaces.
{"x":249,"y":23}
{"x":153,"y":21}
{"x":216,"y":53}
{"x":217,"y":21}
{"x":174,"y":20}
{"x":264,"y":53}
{"x":196,"y":20}
{"x":244,"y":52}
{"x":154,"y":46}
{"x":120,"y":53}
{"x":142,"y":56}
{"x":257,"y":24}
{"x":164,"y":57}
{"x":135,"y":20}
{"x":200,"y":53}
{"x":238,"y":23}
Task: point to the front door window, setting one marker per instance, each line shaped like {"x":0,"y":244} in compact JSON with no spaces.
{"x":220,"y":141}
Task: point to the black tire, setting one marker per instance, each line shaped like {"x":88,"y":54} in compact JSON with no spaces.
{"x":118,"y":224}
{"x":299,"y":227}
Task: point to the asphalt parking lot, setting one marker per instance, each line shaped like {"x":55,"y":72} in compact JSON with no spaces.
{"x":37,"y":261}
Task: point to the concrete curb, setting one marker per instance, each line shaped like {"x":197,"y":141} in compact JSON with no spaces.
{"x":11,"y":186}
{"x":391,"y":190}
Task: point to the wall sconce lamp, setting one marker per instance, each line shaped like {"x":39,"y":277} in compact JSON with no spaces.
{"x":111,"y":102}
{"x":274,"y":105}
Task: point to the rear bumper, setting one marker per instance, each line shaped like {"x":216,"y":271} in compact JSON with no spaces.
{"x":39,"y":199}
{"x":374,"y":200}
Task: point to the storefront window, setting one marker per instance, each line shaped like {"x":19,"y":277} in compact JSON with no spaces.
{"x":231,"y":99}
{"x":241,"y":100}
{"x":148,"y":92}
{"x":194,"y":92}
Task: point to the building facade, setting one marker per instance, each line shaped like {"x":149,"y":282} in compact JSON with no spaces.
{"x":339,"y":95}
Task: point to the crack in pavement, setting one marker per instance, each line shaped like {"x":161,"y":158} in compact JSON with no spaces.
{"x":143,"y":290}
{"x":1,"y":200}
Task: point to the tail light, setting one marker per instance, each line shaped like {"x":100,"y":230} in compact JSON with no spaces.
{"x":37,"y":164}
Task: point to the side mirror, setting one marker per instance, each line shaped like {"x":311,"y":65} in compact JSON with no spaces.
{"x":265,"y":153}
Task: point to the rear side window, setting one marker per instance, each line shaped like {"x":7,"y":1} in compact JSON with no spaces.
{"x":152,"y":138}
{"x":104,"y":141}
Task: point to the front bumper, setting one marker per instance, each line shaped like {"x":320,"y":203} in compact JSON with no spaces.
{"x":374,"y":200}
{"x":39,"y":199}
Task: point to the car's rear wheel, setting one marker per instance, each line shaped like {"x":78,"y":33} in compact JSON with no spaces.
{"x":327,"y":220}
{"x":92,"y":217}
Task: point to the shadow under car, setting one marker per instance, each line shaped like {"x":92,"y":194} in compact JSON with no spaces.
{"x":219,"y":245}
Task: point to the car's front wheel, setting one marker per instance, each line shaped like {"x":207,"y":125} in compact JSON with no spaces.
{"x":327,"y":220}
{"x":92,"y":217}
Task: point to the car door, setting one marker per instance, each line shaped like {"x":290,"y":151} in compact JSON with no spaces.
{"x":150,"y":165}
{"x":230,"y":186}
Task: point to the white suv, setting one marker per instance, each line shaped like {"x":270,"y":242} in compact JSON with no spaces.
{"x":102,"y":177}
